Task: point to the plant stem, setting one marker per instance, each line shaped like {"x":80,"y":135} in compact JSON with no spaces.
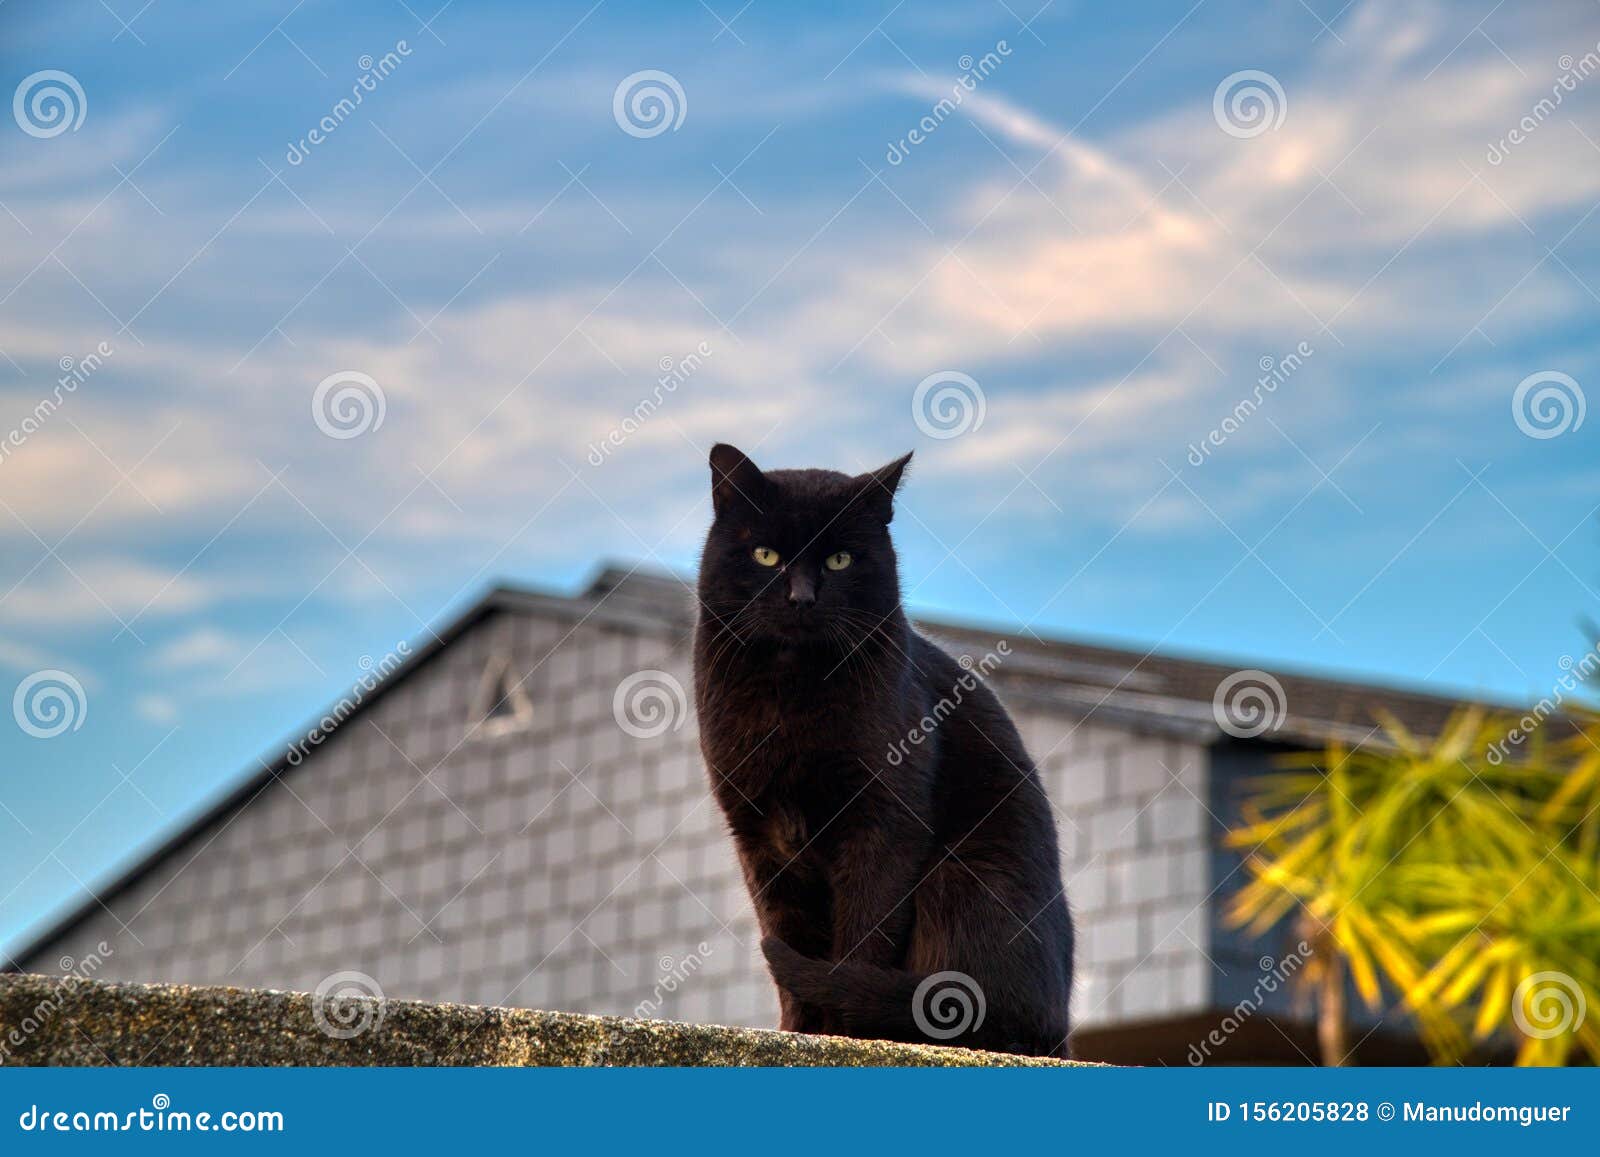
{"x":1331,"y":1028}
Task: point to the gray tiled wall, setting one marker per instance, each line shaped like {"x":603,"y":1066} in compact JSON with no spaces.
{"x":1134,"y":837}
{"x":568,"y":864}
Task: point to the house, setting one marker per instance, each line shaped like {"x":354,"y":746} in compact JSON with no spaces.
{"x":516,"y":813}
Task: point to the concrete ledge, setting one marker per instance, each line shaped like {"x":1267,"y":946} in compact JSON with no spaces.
{"x":50,"y":1021}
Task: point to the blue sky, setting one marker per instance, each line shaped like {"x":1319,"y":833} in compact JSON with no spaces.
{"x":1104,"y":247}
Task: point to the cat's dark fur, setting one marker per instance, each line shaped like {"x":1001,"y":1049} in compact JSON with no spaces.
{"x":869,"y":876}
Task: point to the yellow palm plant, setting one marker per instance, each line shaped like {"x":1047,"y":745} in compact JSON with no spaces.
{"x":1519,"y":941}
{"x":1574,"y":805}
{"x":1518,"y":934}
{"x":1524,"y":940}
{"x":1334,"y":839}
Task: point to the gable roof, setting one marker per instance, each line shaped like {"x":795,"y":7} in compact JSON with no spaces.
{"x":1143,"y":690}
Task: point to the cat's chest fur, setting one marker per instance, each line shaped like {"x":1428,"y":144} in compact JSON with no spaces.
{"x":796,"y":753}
{"x":789,"y":751}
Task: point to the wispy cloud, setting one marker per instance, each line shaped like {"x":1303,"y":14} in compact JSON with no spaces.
{"x":102,"y":590}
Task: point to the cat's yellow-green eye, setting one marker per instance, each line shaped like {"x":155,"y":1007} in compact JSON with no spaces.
{"x":765,"y":555}
{"x":837,"y":561}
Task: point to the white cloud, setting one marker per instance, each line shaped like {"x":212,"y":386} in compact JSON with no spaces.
{"x":100,"y":590}
{"x":21,"y":656}
{"x":203,"y":646}
{"x":1175,"y":223}
{"x":162,"y":710}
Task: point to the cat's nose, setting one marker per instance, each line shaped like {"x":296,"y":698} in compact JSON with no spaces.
{"x":802,"y":593}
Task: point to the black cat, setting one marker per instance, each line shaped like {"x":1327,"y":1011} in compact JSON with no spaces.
{"x":895,"y":837}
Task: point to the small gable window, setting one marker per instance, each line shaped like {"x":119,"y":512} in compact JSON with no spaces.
{"x":501,"y":704}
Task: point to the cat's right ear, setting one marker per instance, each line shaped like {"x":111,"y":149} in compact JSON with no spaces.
{"x":735,"y":480}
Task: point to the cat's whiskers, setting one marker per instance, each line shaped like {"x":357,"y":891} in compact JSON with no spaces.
{"x":730,"y":640}
{"x":876,"y":628}
{"x":863,"y":672}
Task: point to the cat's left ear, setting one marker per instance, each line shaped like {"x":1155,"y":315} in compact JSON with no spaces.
{"x":877,"y":487}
